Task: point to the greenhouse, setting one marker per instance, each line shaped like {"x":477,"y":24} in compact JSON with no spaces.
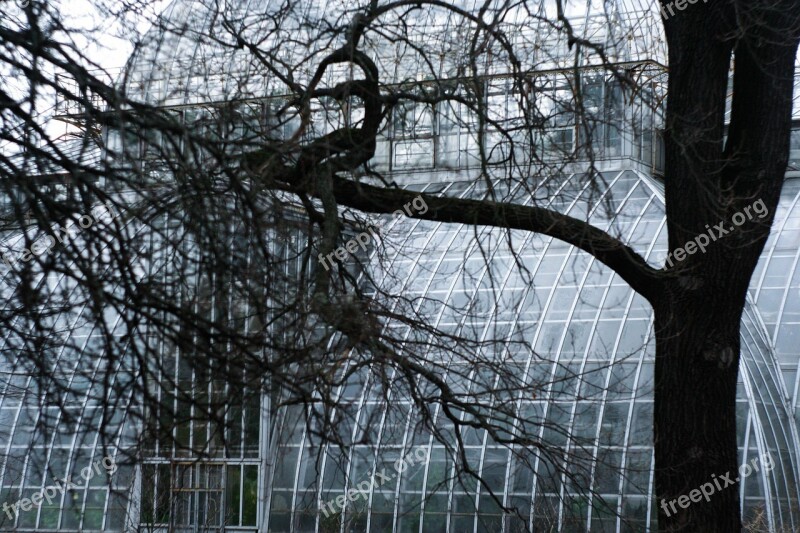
{"x":569,"y":322}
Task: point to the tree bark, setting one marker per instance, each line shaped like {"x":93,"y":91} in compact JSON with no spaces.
{"x":697,"y":356}
{"x":709,"y":180}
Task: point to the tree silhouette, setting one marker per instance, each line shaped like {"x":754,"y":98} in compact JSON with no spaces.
{"x":206,"y":290}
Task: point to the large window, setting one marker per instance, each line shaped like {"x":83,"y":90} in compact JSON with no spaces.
{"x":199,"y":497}
{"x":201,"y":468}
{"x":413,"y":136}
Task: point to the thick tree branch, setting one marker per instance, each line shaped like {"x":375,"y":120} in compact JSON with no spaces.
{"x":621,"y":258}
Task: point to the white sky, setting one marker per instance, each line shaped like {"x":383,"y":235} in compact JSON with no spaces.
{"x":113,"y":40}
{"x":106,"y":42}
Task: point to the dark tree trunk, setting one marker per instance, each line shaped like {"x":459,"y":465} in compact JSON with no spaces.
{"x":709,"y":180}
{"x":697,"y":350}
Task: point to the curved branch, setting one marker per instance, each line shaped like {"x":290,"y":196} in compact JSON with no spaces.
{"x":622,"y":259}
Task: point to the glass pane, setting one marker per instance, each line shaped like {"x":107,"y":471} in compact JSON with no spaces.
{"x":250,"y":495}
{"x":252,"y":426}
{"x":163,"y":486}
{"x":233,"y":495}
{"x":95,"y":508}
{"x":210,"y":508}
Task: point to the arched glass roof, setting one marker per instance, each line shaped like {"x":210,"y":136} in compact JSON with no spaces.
{"x":50,"y":415}
{"x":775,"y":286}
{"x":577,"y":319}
{"x":193,"y":55}
{"x":71,"y":407}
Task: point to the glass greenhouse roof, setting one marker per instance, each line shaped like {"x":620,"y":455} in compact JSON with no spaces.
{"x":184,"y":61}
{"x":775,"y":286}
{"x":575,"y":317}
{"x":563,"y":321}
{"x":570,"y":317}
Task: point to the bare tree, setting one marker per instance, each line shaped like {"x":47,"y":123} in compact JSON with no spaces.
{"x":219,"y":278}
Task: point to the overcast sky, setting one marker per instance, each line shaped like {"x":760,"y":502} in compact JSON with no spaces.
{"x":105,"y":41}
